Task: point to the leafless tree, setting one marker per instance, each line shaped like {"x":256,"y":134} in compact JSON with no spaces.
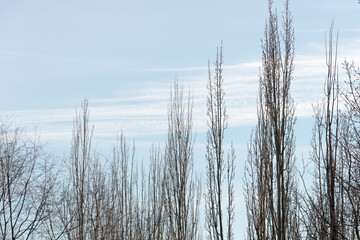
{"x":217,"y":169}
{"x":74,"y":207}
{"x":270,"y":177}
{"x":154,"y":201}
{"x":82,"y":202}
{"x":327,"y":206}
{"x":349,"y":179}
{"x":182,"y":190}
{"x":99,"y":203}
{"x":258,"y":177}
{"x":124,"y":198}
{"x":148,"y":214}
{"x":80,"y":179}
{"x":25,"y":184}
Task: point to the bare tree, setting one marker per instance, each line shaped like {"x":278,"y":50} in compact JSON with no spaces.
{"x":183,"y":192}
{"x":258,"y":177}
{"x":74,"y":207}
{"x":83,"y":202}
{"x":124,"y":198}
{"x":148,"y":214}
{"x":25,"y":184}
{"x":273,"y":147}
{"x":154,"y":201}
{"x":80,"y":164}
{"x":326,"y":204}
{"x":99,"y":203}
{"x":350,"y":146}
{"x":217,"y":168}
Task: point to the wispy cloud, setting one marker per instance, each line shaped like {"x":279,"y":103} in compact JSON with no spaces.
{"x":326,"y":30}
{"x":143,"y":112}
{"x":203,"y":68}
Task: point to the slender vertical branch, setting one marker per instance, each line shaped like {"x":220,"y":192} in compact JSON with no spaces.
{"x":217,"y":168}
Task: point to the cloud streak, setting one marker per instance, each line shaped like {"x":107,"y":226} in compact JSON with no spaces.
{"x":143,"y":112}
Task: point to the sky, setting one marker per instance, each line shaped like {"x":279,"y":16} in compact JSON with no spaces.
{"x":123,"y":57}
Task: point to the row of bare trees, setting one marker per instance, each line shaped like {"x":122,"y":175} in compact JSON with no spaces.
{"x":88,"y":196}
{"x":104,"y":199}
{"x":277,"y":207}
{"x":91,"y":197}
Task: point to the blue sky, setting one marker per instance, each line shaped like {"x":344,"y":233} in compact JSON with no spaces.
{"x":123,"y":56}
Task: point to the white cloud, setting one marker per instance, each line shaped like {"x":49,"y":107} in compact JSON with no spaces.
{"x":326,"y":30}
{"x":144,"y":112}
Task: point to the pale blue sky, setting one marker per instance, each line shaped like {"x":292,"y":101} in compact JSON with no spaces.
{"x":123,"y":56}
{"x":56,"y":50}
